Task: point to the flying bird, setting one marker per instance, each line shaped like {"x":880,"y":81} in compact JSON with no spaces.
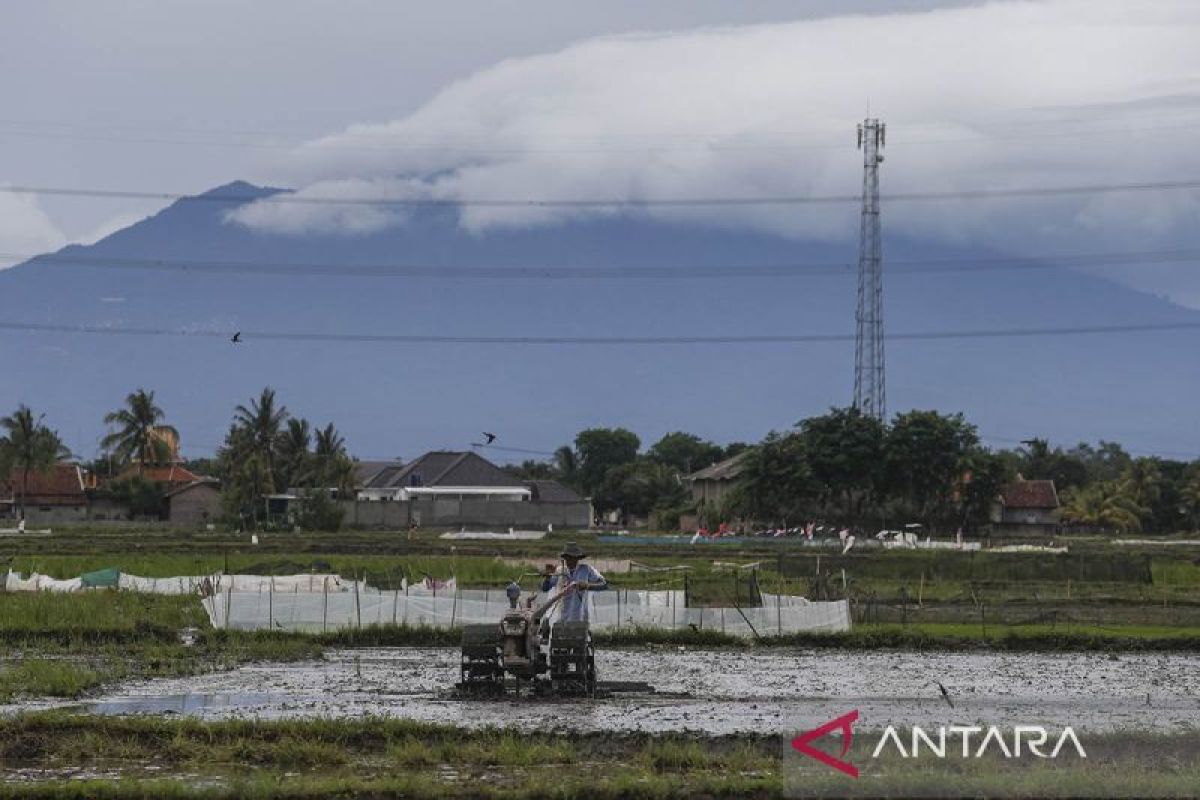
{"x":237,"y":338}
{"x":945,"y":694}
{"x":491,"y":437}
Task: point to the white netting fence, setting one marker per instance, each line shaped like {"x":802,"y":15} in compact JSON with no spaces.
{"x":616,"y":608}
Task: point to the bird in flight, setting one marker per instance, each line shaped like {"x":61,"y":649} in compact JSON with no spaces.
{"x":237,"y":338}
{"x":945,"y":694}
{"x":491,"y":437}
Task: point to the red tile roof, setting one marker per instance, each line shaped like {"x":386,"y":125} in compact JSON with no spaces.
{"x":170,"y":474}
{"x":62,"y":486}
{"x":1031,"y":494}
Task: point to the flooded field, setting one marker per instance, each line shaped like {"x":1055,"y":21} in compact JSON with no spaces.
{"x":711,"y":692}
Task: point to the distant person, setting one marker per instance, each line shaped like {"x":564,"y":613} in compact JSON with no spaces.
{"x":579,"y":578}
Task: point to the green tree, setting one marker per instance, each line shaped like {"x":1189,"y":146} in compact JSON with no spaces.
{"x":775,"y":484}
{"x":1106,"y":505}
{"x":685,"y":452}
{"x":926,"y":458}
{"x":601,"y":449}
{"x":1189,"y":495}
{"x":261,"y":423}
{"x":332,"y":466}
{"x":566,"y":464}
{"x":28,"y":448}
{"x":639,"y":488}
{"x":988,"y":474}
{"x":294,"y":465}
{"x":1039,"y":462}
{"x":845,"y":451}
{"x":139,"y":434}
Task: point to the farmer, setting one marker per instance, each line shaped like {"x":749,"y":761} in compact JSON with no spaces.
{"x":580,"y":578}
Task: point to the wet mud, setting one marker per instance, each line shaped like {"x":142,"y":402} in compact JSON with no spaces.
{"x":710,"y":692}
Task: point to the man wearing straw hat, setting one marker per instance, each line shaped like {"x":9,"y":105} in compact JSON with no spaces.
{"x":577,"y":579}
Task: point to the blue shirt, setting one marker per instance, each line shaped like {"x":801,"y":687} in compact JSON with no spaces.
{"x":573,"y":607}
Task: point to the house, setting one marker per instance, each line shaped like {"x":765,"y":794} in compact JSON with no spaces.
{"x":195,"y":504}
{"x":1027,"y":507}
{"x":459,"y":489}
{"x":172,"y":476}
{"x":59,"y":495}
{"x":449,"y":474}
{"x":711,"y":484}
{"x":377,"y":472}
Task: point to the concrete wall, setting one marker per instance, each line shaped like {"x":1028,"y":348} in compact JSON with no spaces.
{"x":195,"y":508}
{"x":478,"y":513}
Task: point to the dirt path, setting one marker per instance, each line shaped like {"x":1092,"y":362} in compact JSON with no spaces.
{"x":713,"y":691}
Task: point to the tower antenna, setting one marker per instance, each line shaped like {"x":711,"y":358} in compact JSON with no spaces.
{"x":870,"y":395}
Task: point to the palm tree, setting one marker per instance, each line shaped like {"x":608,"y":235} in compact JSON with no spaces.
{"x":333,"y":465}
{"x":30,"y":447}
{"x":140,"y":435}
{"x":1143,"y":479}
{"x":1190,"y":497}
{"x":1105,"y":505}
{"x":294,"y":457}
{"x":260,"y":424}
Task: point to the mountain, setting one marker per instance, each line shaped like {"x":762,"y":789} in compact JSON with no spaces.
{"x":394,"y":399}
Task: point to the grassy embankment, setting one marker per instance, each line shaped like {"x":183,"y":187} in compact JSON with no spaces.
{"x":156,"y":757}
{"x":60,"y":645}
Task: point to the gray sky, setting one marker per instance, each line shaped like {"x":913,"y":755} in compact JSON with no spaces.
{"x":184,"y":95}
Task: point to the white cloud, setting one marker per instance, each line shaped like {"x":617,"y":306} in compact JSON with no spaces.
{"x":25,"y":230}
{"x":1007,"y":94}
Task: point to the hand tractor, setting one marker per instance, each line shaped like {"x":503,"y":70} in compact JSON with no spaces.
{"x":525,"y":652}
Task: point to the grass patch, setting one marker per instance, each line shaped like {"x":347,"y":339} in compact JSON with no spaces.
{"x":50,"y":678}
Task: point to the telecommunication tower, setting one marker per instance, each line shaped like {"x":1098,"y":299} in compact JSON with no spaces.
{"x":870,"y":397}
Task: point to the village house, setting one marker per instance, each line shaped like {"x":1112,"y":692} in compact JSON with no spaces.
{"x":1029,"y":507}
{"x":194,"y":505}
{"x":59,"y":495}
{"x":460,"y":488}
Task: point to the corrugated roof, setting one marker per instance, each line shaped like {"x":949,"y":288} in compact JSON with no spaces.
{"x":1030,"y":494}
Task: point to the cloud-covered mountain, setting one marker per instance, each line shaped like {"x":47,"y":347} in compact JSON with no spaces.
{"x":995,"y":96}
{"x":398,"y":399}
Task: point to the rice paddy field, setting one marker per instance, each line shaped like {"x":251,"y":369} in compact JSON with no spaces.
{"x":113,"y":694}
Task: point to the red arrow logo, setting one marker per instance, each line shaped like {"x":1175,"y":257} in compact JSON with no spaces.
{"x":843,"y":723}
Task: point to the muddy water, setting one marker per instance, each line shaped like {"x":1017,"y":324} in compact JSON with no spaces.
{"x":713,"y":691}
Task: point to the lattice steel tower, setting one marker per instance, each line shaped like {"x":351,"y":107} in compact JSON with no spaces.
{"x":870,"y":397}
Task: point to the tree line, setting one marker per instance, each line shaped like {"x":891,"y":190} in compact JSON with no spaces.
{"x":266,"y":450}
{"x":842,"y":467}
{"x":851,"y":469}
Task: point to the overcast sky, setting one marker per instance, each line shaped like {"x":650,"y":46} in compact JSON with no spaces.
{"x":618,"y":99}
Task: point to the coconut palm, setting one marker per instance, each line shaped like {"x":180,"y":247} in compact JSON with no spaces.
{"x":139,"y":434}
{"x":260,"y":424}
{"x":333,"y":466}
{"x":295,"y":460}
{"x":1105,"y":504}
{"x":28,"y":448}
{"x":1143,"y":480}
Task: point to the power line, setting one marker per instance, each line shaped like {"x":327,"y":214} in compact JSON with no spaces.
{"x":663,"y":271}
{"x":287,"y":197}
{"x":512,"y":449}
{"x":733,"y":141}
{"x":388,"y":338}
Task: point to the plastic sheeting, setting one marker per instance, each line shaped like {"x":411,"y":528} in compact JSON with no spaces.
{"x":607,"y":610}
{"x":208,"y":584}
{"x":36,"y":582}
